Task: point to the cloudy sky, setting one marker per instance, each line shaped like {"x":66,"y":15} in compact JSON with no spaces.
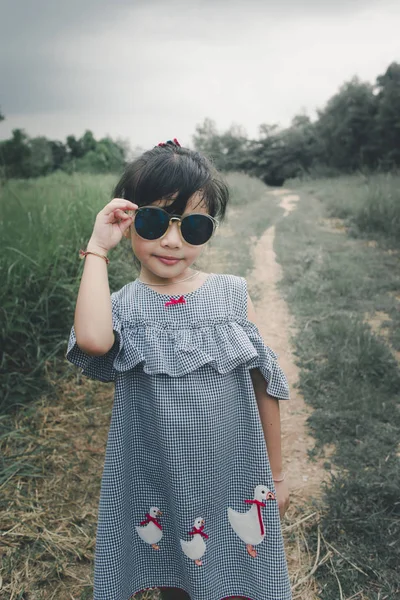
{"x":149,"y":70}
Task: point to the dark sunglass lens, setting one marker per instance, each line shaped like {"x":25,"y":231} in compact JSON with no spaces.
{"x":197,"y":229}
{"x":151,"y":223}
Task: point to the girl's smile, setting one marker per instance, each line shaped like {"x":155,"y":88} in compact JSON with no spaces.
{"x":168,"y":260}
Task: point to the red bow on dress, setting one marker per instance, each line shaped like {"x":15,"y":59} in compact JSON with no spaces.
{"x":200,"y":531}
{"x":172,"y":301}
{"x":151,"y":519}
{"x":259,"y":505}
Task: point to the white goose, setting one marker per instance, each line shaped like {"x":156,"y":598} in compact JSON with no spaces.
{"x":249,"y":526}
{"x":151,"y":532}
{"x":197,"y":546}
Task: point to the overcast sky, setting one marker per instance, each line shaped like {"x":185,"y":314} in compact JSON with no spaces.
{"x":149,"y":70}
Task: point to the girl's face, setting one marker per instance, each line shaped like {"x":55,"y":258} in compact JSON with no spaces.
{"x":171,"y":245}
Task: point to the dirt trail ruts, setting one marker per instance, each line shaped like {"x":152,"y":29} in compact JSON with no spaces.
{"x":276,"y":325}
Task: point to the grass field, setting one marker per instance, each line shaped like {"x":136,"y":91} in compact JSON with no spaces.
{"x":342,"y":283}
{"x":368,"y":205}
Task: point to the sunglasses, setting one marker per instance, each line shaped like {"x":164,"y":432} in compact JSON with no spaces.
{"x":153,"y":222}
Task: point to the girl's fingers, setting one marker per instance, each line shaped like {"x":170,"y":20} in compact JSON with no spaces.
{"x":118,"y":203}
{"x":124,"y":224}
{"x":121,"y":214}
{"x":116,"y":216}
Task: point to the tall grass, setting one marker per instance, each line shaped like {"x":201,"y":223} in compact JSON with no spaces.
{"x":370,"y":205}
{"x":245,"y":189}
{"x":43,"y":223}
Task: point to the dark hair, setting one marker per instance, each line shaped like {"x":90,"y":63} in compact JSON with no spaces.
{"x":167,"y":170}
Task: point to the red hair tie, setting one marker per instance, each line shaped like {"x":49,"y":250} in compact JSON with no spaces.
{"x":173,"y":142}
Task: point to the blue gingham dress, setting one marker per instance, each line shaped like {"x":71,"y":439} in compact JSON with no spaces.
{"x":186,"y":440}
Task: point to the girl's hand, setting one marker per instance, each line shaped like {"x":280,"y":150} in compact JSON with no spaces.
{"x":111,"y":223}
{"x":282,"y":496}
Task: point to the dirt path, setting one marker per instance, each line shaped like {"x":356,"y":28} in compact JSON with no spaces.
{"x":304,"y":477}
{"x":277,"y":327}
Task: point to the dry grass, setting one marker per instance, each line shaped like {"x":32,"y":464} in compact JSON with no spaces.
{"x":55,"y":453}
{"x":333,"y":224}
{"x":49,"y":505}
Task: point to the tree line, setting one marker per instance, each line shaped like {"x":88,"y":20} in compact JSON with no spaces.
{"x":22,"y":156}
{"x":358,"y":130}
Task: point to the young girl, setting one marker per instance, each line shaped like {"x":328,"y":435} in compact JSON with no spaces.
{"x":192,"y":488}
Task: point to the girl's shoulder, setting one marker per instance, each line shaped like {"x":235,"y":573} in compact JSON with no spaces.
{"x":234,"y":290}
{"x":230,"y":279}
{"x":234,"y":284}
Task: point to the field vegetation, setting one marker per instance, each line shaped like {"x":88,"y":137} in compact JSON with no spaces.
{"x":342,"y":282}
{"x":43,"y":223}
{"x":368,"y":205}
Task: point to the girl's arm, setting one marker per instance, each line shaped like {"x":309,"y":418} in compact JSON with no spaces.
{"x":268,"y":408}
{"x":93,"y":322}
{"x":93,"y":313}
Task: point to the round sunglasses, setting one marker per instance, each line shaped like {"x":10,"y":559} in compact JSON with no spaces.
{"x":153,"y":222}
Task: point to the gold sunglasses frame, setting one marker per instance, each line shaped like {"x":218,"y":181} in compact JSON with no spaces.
{"x":178,"y":219}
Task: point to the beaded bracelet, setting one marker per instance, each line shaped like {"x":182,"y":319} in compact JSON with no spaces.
{"x":279,"y":480}
{"x":83,"y":254}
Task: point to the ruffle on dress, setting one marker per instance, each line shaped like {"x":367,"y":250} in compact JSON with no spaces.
{"x":222,"y":344}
